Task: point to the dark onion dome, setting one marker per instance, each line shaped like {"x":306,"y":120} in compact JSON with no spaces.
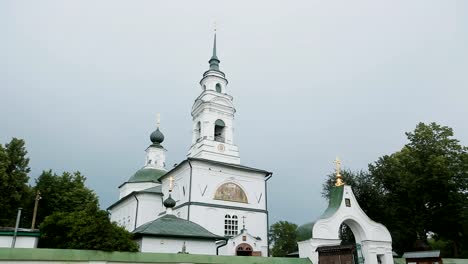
{"x":157,"y":137}
{"x":169,"y":202}
{"x":147,"y":175}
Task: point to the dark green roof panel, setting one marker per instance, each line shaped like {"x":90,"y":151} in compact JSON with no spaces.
{"x":334,"y":202}
{"x":172,"y":226}
{"x":304,"y":232}
{"x":147,"y":175}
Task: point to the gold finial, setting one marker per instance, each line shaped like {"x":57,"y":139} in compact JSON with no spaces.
{"x":158,"y":120}
{"x":339,"y":178}
{"x":171,"y":183}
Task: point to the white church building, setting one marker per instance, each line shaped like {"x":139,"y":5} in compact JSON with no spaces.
{"x":220,"y":206}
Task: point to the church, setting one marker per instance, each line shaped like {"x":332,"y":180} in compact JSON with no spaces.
{"x":208,"y":203}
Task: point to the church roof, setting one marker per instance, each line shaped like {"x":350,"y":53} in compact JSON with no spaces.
{"x":147,"y":174}
{"x":172,"y":226}
{"x":304,"y":231}
{"x":157,"y":190}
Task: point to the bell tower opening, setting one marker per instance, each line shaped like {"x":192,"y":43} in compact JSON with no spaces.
{"x":218,"y":88}
{"x":219,"y":131}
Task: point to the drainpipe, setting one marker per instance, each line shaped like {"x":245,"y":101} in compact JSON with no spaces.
{"x":15,"y":233}
{"x":220,"y":246}
{"x":190,"y":190}
{"x":268,"y":176}
{"x":136,"y":210}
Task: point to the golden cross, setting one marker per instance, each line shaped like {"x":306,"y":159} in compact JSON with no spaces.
{"x":339,"y":179}
{"x":171,"y":183}
{"x":338,"y":166}
{"x":158,"y":119}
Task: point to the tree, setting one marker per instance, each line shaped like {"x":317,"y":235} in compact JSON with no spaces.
{"x":63,"y":193}
{"x":426,"y":186}
{"x":85,"y":229}
{"x":14,"y":188}
{"x":283,"y":237}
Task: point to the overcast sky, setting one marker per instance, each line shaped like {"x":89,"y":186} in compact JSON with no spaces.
{"x":81,"y":82}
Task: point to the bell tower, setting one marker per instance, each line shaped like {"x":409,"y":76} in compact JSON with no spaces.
{"x":213,"y":117}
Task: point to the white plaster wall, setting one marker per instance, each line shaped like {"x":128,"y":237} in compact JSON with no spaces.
{"x":257,"y":245}
{"x":149,"y":207}
{"x":211,"y":176}
{"x":171,"y":245}
{"x":21,"y":241}
{"x":157,"y":157}
{"x":124,"y":213}
{"x":210,"y":82}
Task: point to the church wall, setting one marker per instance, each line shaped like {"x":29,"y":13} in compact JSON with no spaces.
{"x":150,"y":206}
{"x":124,"y":213}
{"x":207,"y":178}
{"x":170,"y":245}
{"x":213,"y":220}
{"x":181,"y":188}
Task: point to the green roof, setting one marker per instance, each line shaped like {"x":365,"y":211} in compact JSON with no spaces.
{"x":147,"y":175}
{"x":334,"y":201}
{"x":172,"y":226}
{"x":156,"y":189}
{"x":69,"y":255}
{"x":304,"y":231}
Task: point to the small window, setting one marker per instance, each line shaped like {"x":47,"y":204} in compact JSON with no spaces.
{"x":218,"y":88}
{"x":204,"y":87}
{"x":348,"y":202}
{"x":149,"y":161}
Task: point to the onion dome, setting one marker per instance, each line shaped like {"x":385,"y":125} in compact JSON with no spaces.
{"x":157,"y":137}
{"x":169,"y":202}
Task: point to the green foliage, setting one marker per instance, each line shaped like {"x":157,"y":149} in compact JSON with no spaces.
{"x":420,"y":189}
{"x":14,"y":190}
{"x":85,"y":229}
{"x":284,"y":238}
{"x":63,"y":193}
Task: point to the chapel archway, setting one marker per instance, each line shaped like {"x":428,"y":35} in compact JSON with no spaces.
{"x":244,"y":249}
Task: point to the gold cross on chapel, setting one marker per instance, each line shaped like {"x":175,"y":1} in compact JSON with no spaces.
{"x":339,"y":178}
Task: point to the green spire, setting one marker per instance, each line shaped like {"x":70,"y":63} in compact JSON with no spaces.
{"x":214,"y":61}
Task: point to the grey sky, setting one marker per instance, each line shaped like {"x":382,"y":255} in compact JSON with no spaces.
{"x":82,"y":81}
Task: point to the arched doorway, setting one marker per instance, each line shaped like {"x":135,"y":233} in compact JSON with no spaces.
{"x":244,"y":249}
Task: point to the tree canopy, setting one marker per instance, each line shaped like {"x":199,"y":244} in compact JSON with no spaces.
{"x":418,"y":192}
{"x":284,"y":238}
{"x":14,"y":188}
{"x":68,"y":213}
{"x":85,"y":229}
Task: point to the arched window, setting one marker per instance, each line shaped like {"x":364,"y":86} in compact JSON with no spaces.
{"x":230,"y":225}
{"x":219,"y":131}
{"x":204,"y":87}
{"x":218,"y":88}
{"x":230,"y":192}
{"x":197,"y":131}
